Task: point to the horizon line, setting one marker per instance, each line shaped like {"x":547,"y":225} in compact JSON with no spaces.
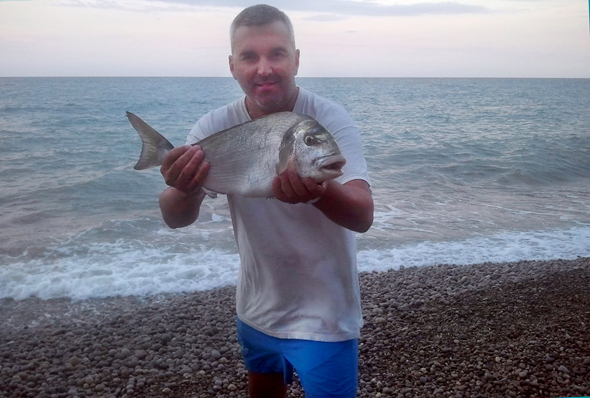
{"x":298,"y":77}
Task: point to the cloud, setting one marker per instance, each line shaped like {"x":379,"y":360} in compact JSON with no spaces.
{"x":343,"y":7}
{"x":334,"y":8}
{"x":127,"y":5}
{"x":325,"y":18}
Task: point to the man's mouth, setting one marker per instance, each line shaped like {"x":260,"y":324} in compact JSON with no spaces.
{"x":266,"y":83}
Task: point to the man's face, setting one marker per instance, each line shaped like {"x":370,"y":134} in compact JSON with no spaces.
{"x":265,"y":63}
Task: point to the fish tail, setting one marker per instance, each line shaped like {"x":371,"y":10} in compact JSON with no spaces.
{"x":154,"y":145}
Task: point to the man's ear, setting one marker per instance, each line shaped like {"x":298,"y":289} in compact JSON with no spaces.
{"x":231,"y":65}
{"x":296,"y":61}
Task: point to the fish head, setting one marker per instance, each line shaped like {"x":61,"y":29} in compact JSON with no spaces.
{"x":312,"y":150}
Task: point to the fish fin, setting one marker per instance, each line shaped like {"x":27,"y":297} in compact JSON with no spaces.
{"x":290,"y":163}
{"x":285,"y":152}
{"x":154,"y":145}
{"x":210,"y":193}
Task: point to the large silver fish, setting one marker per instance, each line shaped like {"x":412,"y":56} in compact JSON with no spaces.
{"x":244,"y":159}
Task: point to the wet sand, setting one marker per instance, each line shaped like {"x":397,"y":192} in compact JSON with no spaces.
{"x":486,"y":330}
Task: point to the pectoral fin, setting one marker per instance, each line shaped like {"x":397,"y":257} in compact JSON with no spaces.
{"x":286,"y":156}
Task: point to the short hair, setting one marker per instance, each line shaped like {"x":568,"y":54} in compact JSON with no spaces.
{"x":260,"y":15}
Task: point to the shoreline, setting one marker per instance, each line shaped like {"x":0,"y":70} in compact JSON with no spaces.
{"x":485,"y":330}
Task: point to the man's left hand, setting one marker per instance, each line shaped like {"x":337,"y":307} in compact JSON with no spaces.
{"x":290,"y":188}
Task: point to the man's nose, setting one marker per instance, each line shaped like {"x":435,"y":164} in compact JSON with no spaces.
{"x":264,"y":67}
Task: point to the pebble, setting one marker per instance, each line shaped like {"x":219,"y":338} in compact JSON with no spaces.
{"x":451,"y":331}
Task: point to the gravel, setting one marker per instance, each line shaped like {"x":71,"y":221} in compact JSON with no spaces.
{"x":487,"y":330}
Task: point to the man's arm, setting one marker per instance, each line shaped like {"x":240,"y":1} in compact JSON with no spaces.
{"x":349,"y":205}
{"x":184,"y":171}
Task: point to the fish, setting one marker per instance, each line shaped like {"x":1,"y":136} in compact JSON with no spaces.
{"x":245,"y":159}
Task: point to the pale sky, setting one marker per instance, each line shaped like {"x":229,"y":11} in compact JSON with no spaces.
{"x":340,"y":38}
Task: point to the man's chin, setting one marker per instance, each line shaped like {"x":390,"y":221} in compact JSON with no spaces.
{"x":268,"y":94}
{"x":270,"y":105}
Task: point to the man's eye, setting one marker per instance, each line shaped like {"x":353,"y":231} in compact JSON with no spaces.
{"x":277,"y":54}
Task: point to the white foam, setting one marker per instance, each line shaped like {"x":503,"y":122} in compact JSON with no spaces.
{"x":505,"y":247}
{"x":124,"y":268}
{"x":112,"y":270}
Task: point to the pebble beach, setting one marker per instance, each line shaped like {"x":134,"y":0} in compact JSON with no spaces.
{"x":485,"y":330}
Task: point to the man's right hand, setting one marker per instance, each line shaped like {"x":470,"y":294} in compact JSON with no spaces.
{"x":184,"y":168}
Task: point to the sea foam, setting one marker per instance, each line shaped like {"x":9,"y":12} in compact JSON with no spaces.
{"x":119,"y":269}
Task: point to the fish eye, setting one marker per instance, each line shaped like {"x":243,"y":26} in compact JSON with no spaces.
{"x":310,"y":140}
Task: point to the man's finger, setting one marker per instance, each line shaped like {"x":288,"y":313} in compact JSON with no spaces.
{"x":199,"y":178}
{"x":296,"y":184}
{"x":170,"y":164}
{"x":277,"y":190}
{"x":313,"y":187}
{"x":173,"y":156}
{"x":286,"y":188}
{"x":182,"y":171}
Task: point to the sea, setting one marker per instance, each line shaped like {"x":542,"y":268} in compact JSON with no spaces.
{"x":462,"y":171}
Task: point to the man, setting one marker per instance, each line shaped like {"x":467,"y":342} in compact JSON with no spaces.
{"x":297,"y":301}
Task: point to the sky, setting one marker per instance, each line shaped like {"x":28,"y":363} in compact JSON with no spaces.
{"x":337,"y":38}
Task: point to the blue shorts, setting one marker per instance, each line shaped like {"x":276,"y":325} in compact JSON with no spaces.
{"x":325,"y":369}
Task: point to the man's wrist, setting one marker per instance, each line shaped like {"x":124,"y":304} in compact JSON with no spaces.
{"x":189,"y":196}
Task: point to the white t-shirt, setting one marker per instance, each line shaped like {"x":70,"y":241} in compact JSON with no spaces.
{"x":298,"y":277}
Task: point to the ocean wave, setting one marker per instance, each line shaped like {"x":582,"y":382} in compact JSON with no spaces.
{"x":132,"y":268}
{"x":453,"y":163}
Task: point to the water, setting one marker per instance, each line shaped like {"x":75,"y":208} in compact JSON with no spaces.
{"x":463,"y":171}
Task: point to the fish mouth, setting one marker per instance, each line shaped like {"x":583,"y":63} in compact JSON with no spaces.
{"x":331,"y":165}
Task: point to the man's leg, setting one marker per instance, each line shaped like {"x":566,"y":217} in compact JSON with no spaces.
{"x":325,"y":369}
{"x":266,"y":385}
{"x":268,"y":371}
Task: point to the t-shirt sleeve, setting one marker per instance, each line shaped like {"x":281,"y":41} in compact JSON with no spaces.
{"x":196,"y":134}
{"x":338,"y":122}
{"x":350,"y":143}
